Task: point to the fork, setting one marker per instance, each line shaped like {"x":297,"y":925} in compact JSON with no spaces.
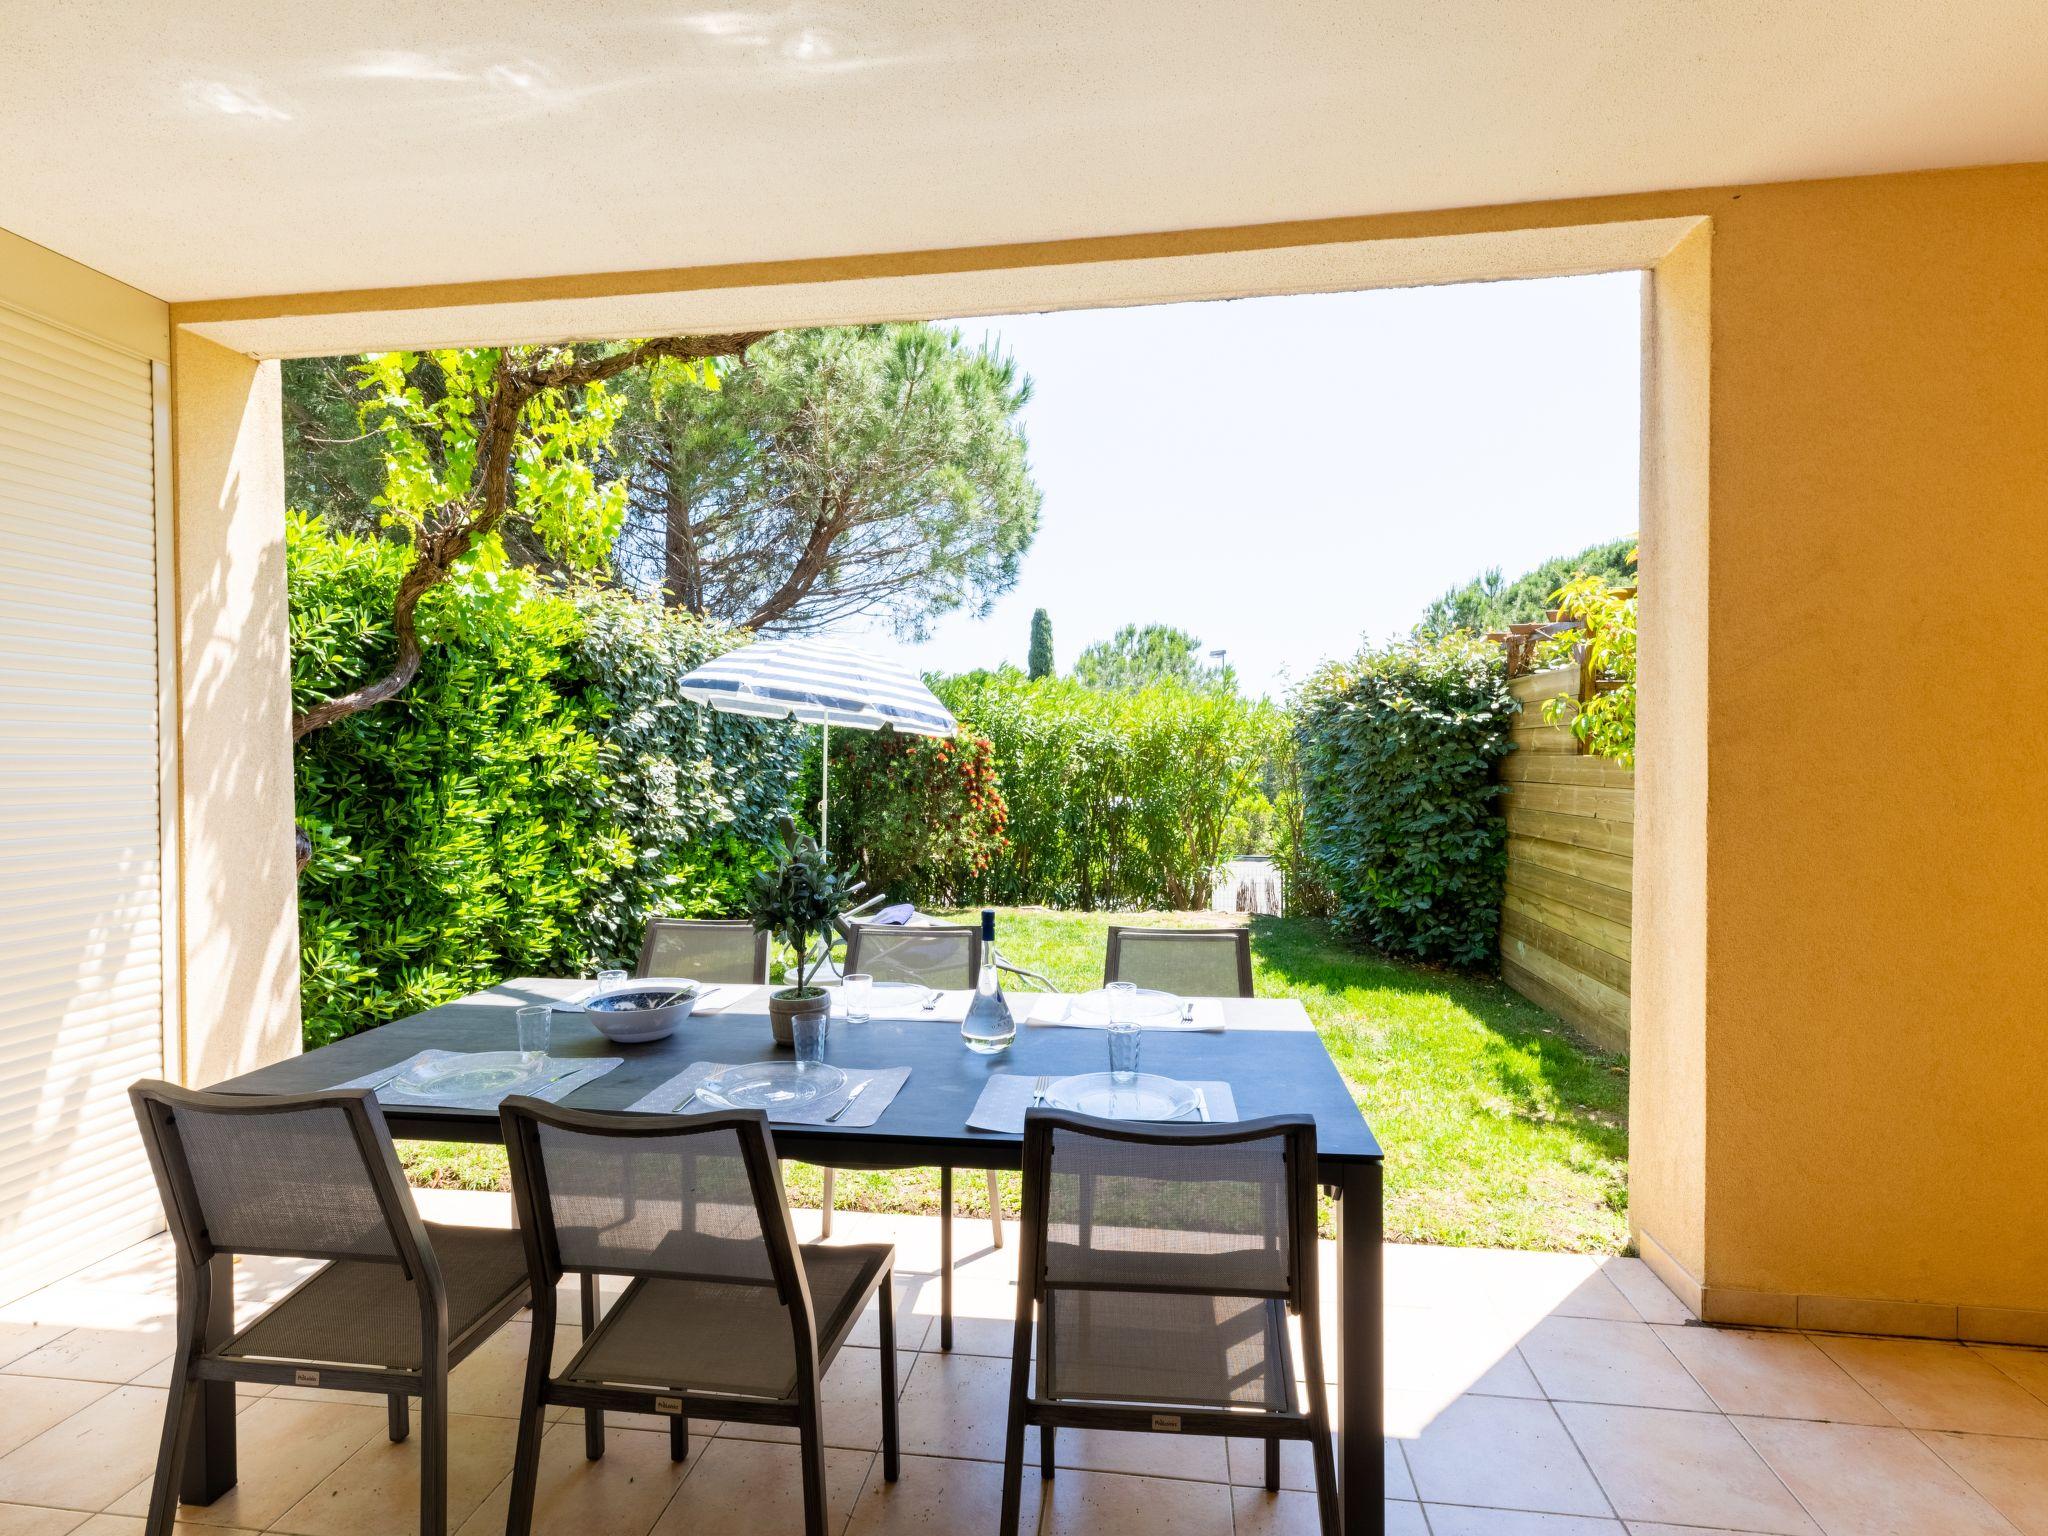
{"x":931,"y":999}
{"x":1038,"y":1091}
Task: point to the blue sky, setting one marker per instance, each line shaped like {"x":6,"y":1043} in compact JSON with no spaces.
{"x":1284,"y":477}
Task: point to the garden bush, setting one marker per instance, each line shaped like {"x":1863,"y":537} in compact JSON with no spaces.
{"x":525,"y":804}
{"x":1398,"y":748}
{"x":918,"y":817}
{"x":1116,"y":798}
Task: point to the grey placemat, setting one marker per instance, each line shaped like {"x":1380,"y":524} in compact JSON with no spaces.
{"x":1007,"y":1095}
{"x":867,"y":1109}
{"x":1055,"y":1010}
{"x":574,"y":1075}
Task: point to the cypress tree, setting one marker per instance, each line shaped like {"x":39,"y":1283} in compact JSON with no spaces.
{"x":1041,"y":644}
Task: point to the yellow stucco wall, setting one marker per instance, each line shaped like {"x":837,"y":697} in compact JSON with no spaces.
{"x":241,"y":904}
{"x":1876,"y":1039}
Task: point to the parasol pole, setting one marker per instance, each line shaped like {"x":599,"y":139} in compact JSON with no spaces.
{"x":825,"y":789}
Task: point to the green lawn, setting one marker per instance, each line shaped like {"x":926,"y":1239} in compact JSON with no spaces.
{"x":1501,"y":1129}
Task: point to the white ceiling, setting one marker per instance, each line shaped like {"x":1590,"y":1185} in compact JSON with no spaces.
{"x":220,"y":148}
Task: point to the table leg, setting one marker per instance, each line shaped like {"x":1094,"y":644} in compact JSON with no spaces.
{"x":1361,"y":1464}
{"x":209,"y":1469}
{"x":945,"y":1258}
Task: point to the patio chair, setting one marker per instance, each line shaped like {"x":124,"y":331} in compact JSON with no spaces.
{"x":705,"y":950}
{"x":942,"y":955}
{"x":314,"y":1176}
{"x":1190,"y":962}
{"x":1159,"y":1265}
{"x":726,"y":1316}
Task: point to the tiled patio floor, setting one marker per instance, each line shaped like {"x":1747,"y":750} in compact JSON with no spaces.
{"x":1528,"y":1395}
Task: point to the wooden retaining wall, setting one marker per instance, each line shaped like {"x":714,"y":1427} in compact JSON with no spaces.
{"x":1564,"y":930}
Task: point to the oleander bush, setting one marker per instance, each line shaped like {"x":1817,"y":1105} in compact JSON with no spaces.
{"x":526,"y":804}
{"x":1117,"y":798}
{"x":1397,"y":750}
{"x":918,"y":817}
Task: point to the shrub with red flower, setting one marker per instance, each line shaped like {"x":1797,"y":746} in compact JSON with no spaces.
{"x":919,"y":817}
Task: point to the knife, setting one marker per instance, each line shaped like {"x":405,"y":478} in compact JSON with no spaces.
{"x":859,"y":1088}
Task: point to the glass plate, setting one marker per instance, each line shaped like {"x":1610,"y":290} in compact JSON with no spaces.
{"x":1148,"y":1096}
{"x":1147,"y":1005}
{"x":770,"y":1085}
{"x":486,"y":1074}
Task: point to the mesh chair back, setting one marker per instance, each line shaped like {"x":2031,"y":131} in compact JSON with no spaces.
{"x":312,"y":1176}
{"x":1189,"y":962}
{"x":944,"y":956}
{"x":1150,"y":1212}
{"x":706,"y":951}
{"x":697,"y":1198}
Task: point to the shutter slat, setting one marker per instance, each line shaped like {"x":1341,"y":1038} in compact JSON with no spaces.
{"x":81,"y":914}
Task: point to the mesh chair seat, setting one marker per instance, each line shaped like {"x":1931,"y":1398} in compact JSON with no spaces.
{"x":726,"y":1337}
{"x":1177,"y":1350}
{"x":363,"y":1312}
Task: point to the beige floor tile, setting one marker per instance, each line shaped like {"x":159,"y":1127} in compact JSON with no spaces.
{"x":1525,"y":1287}
{"x":1651,"y":1297}
{"x":1108,"y":1504}
{"x":1655,"y":1528}
{"x":1863,"y":1480}
{"x":959,"y":1405}
{"x":376,"y":1491}
{"x":90,"y":1459}
{"x":1590,"y":1360}
{"x":1504,"y":1452}
{"x":1451,"y":1353}
{"x":1931,"y":1385}
{"x":30,"y":1405}
{"x":1297,"y":1467}
{"x":464,"y":1207}
{"x":132,"y":1525}
{"x":1258,"y":1513}
{"x":852,"y":1403}
{"x":1454,"y":1520}
{"x":284,"y":1448}
{"x":491,"y":1381}
{"x":1200,"y":1457}
{"x":1772,"y":1375}
{"x":2028,"y":1367}
{"x":753,"y":1488}
{"x":939,"y":1495}
{"x":115,"y":1354}
{"x":30,"y":1520}
{"x":621,"y":1494}
{"x":913,"y":1327}
{"x":1681,"y":1468}
{"x":2011,"y":1474}
{"x":25,"y":1337}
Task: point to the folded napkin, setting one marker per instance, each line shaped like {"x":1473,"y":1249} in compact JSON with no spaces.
{"x":570,"y":1073}
{"x":899,"y":1003}
{"x":1056,"y":1010}
{"x":1007,"y":1095}
{"x":867,"y":1109}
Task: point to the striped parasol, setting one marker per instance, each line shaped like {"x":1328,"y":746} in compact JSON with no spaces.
{"x":820,"y":682}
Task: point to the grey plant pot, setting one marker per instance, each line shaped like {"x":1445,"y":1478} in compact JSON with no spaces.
{"x":784,"y":1008}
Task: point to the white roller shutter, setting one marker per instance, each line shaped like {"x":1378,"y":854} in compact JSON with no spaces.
{"x":82,"y":963}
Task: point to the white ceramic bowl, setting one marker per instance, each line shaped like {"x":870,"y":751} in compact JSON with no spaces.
{"x":614,"y":1018}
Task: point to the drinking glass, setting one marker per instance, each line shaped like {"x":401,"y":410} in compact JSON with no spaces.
{"x":1123,"y":1031}
{"x":807,"y":1033}
{"x":859,"y":987}
{"x":609,"y":981}
{"x":534,"y":1024}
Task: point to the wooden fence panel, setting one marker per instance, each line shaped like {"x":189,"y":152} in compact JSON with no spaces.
{"x":1565,"y":926}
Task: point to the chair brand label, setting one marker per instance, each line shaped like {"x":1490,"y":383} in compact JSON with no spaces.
{"x":668,"y":1405}
{"x":1166,"y":1421}
{"x":305,"y":1378}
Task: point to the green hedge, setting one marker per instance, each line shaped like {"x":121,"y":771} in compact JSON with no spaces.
{"x":916,"y":817}
{"x":1117,"y":798}
{"x":1397,"y":752}
{"x":525,"y":804}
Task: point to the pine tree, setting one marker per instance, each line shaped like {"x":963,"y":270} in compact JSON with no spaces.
{"x":1041,"y":644}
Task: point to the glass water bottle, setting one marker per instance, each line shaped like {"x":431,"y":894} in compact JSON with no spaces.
{"x":989,"y":1026}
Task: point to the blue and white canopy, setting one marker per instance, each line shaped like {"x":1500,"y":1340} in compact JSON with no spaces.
{"x":820,"y":682}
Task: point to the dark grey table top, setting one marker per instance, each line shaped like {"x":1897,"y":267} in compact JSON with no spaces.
{"x":1268,"y":1052}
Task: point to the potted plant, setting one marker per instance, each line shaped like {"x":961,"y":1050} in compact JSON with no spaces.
{"x":799,"y":897}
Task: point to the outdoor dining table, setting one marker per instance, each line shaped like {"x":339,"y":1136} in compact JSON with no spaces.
{"x":1268,"y":1052}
